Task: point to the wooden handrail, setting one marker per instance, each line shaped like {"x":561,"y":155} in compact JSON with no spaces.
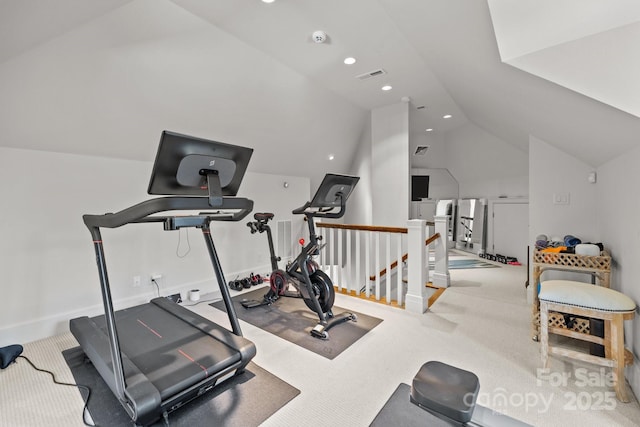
{"x":363,"y":227}
{"x":377,"y":228}
{"x":394,"y":264}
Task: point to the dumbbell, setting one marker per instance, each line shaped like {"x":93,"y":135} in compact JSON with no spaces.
{"x":236,"y":285}
{"x":256,"y":279}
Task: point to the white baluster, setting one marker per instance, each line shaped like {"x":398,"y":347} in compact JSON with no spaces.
{"x":388,"y":267}
{"x":367,"y":264}
{"x":399,"y":283}
{"x":321,"y":257}
{"x":348,"y":280}
{"x":339,"y":275}
{"x":358,"y":265}
{"x":377,"y":263}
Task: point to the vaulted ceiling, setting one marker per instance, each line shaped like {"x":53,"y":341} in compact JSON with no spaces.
{"x":105,"y":77}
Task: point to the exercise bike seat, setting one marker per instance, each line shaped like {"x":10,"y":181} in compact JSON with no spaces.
{"x":445,"y":390}
{"x":263,"y":216}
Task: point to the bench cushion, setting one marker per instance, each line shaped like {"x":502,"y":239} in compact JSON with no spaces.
{"x":445,"y":390}
{"x":585,"y":295}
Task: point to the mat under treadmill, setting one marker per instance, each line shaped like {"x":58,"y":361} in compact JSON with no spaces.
{"x":179,"y":352}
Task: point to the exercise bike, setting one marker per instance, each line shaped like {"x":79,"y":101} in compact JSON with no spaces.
{"x":303,"y":274}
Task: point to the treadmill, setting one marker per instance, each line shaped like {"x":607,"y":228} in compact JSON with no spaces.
{"x":157,"y":356}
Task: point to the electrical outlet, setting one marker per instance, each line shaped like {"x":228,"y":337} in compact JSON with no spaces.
{"x":560,"y":198}
{"x":136,"y":281}
{"x":156,"y":277}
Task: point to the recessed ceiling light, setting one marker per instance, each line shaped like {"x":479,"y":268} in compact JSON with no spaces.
{"x":387,"y":87}
{"x":350,"y":60}
{"x":331,"y":157}
{"x":429,"y":130}
{"x":447,"y":116}
{"x":268,"y":1}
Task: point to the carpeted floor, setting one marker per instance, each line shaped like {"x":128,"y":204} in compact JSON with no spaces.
{"x":481,"y":323}
{"x":455,"y":264}
{"x":461,"y":263}
{"x":291,"y":319}
{"x":231,"y":404}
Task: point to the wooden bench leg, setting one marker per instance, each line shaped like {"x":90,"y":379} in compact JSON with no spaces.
{"x":607,"y":339}
{"x":617,"y":354}
{"x":544,"y":334}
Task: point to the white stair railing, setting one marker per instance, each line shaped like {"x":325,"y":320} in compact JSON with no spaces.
{"x":368,"y":261}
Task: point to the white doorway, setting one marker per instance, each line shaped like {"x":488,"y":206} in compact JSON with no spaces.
{"x":509,"y":229}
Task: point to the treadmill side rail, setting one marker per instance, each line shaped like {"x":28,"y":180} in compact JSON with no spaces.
{"x":141,"y":399}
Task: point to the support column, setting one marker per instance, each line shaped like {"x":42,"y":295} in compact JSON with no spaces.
{"x":417,"y":300}
{"x":441,"y":271}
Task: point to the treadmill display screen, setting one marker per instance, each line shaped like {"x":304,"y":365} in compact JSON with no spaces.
{"x":184,"y":164}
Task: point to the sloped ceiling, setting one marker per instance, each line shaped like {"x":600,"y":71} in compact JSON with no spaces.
{"x":584,"y":45}
{"x":105,"y":77}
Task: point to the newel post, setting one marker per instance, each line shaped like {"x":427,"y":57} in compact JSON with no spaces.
{"x":440,"y":246}
{"x":417,"y":300}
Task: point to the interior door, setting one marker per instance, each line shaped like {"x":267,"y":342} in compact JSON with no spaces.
{"x":510,"y":225}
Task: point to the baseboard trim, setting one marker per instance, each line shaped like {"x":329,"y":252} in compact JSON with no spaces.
{"x":56,"y":324}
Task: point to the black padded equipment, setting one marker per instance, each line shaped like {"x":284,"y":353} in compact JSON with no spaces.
{"x":156,"y":357}
{"x":445,"y":390}
{"x":8,"y":354}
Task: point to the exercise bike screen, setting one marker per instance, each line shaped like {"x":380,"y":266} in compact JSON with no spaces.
{"x":332,"y":184}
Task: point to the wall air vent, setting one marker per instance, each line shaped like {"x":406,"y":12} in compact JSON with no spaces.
{"x":421,"y":150}
{"x":370,"y":74}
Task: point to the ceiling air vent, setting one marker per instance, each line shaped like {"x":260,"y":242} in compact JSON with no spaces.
{"x":421,"y":150}
{"x":370,"y":74}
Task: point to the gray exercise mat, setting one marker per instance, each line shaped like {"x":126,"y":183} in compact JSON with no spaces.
{"x":399,"y":411}
{"x":291,"y":319}
{"x":238,"y":402}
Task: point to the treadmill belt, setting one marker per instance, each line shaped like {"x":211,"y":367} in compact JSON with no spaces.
{"x":172,"y":354}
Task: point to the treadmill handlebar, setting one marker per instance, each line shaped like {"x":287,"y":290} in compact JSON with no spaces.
{"x":142,"y":211}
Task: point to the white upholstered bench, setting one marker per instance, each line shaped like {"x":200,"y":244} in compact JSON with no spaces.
{"x":584,"y":299}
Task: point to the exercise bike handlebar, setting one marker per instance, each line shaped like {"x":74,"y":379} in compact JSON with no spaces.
{"x":301,"y":209}
{"x":323,"y":211}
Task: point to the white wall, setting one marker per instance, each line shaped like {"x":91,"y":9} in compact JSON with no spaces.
{"x":360,"y":206}
{"x":606,"y":212}
{"x":390,"y":164}
{"x":442,"y":185}
{"x":618,"y":208}
{"x":484,"y":165}
{"x":436,"y":154}
{"x":47,"y":264}
{"x":554,"y":172}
